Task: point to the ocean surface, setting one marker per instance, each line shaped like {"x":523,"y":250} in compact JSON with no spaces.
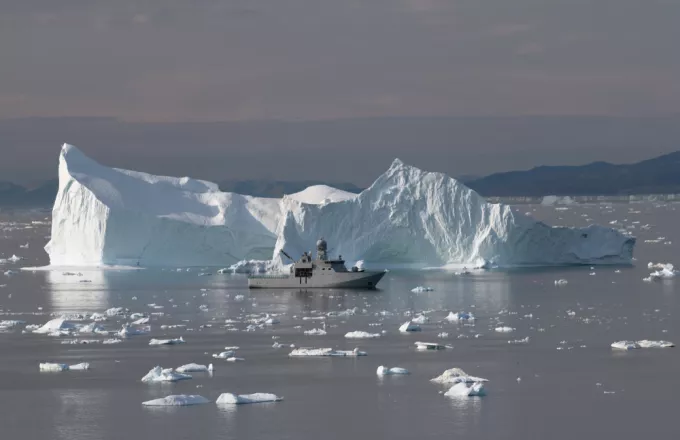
{"x":565,"y":383}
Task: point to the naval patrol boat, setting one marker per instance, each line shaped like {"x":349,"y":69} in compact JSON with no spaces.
{"x":322,"y":272}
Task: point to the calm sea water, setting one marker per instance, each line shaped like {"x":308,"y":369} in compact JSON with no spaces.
{"x":573,"y":385}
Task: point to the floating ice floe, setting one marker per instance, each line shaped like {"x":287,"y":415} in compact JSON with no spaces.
{"x":158,"y":374}
{"x":176,"y":341}
{"x":431,"y":346}
{"x":383,"y":371}
{"x":462,"y":389}
{"x":664,"y":271}
{"x":79,"y":367}
{"x":409,"y":327}
{"x":321,"y":352}
{"x":224,"y":355}
{"x":141,"y":321}
{"x":421,"y":289}
{"x":116,"y":311}
{"x":93,"y":328}
{"x":52,"y":366}
{"x":14,"y":259}
{"x":504,"y":329}
{"x":632,"y":345}
{"x":456,"y":375}
{"x":561,"y":282}
{"x":361,"y":335}
{"x":240,"y":399}
{"x":520,"y":341}
{"x":460,"y":316}
{"x":10,"y":324}
{"x":315,"y":332}
{"x":177,"y":400}
{"x":127,"y":330}
{"x":194,"y":368}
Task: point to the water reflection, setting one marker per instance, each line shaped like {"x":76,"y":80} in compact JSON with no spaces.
{"x":80,"y":414}
{"x":69,"y":291}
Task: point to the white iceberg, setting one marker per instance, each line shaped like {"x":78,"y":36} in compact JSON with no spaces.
{"x":177,"y":400}
{"x":561,"y":282}
{"x":456,"y":375}
{"x":58,"y":325}
{"x":409,"y":327}
{"x":383,"y":371}
{"x":175,"y":341}
{"x":462,"y":389}
{"x":407,"y":217}
{"x":158,"y":374}
{"x":240,"y":399}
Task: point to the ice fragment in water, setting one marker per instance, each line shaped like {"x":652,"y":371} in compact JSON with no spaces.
{"x":383,"y":371}
{"x":177,"y":400}
{"x":233,"y":399}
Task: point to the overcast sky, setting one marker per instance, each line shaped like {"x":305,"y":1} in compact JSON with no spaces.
{"x":244,"y":61}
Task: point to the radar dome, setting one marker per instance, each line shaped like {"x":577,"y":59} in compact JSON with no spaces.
{"x":321,"y":244}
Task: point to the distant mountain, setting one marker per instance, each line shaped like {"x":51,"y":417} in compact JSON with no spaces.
{"x":277,"y":188}
{"x":653,"y":176}
{"x":18,"y":196}
{"x":660,"y":175}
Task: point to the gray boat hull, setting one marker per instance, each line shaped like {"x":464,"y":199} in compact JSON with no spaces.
{"x":343,"y":280}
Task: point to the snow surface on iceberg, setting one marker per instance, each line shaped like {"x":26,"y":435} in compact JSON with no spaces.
{"x":415,"y":218}
{"x":408,"y":217}
{"x":108,"y":216}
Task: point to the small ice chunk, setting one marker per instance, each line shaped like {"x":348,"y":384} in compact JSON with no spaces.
{"x":383,"y":371}
{"x":224,"y":354}
{"x":177,"y":400}
{"x":460,"y":316}
{"x":361,"y":335}
{"x":179,"y":340}
{"x":315,"y":332}
{"x":311,"y":352}
{"x":158,"y":374}
{"x":561,"y":282}
{"x":625,"y":345}
{"x":520,"y":341}
{"x":240,"y":399}
{"x":431,"y":346}
{"x":79,"y":367}
{"x":654,"y":344}
{"x":192,"y":368}
{"x":420,"y":319}
{"x":421,"y":289}
{"x":504,"y":329}
{"x":462,"y":389}
{"x":409,"y":327}
{"x":456,"y":375}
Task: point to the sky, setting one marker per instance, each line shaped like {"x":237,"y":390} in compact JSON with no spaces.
{"x":150,"y":73}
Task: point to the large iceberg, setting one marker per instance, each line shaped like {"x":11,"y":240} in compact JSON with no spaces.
{"x":408,"y":217}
